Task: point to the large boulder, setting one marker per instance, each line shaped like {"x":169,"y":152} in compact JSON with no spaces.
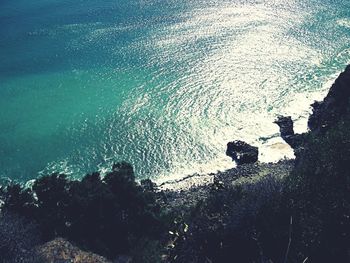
{"x":241,"y":152}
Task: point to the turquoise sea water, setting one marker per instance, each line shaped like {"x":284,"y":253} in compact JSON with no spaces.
{"x":161,"y":84}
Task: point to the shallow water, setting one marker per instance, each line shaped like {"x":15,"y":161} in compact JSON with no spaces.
{"x":163,"y":85}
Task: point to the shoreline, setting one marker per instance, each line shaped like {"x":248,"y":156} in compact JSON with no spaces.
{"x":247,"y":213}
{"x":300,"y":126}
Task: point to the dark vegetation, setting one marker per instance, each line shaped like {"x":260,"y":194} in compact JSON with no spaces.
{"x":109,"y":216}
{"x":267,"y":217}
{"x":319,"y":192}
{"x":304,"y":217}
{"x":18,"y":238}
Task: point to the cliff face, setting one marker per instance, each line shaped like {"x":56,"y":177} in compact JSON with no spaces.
{"x":335,"y":105}
{"x":326,"y":114}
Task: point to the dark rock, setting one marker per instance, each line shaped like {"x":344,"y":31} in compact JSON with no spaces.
{"x":60,"y":250}
{"x":287,"y":132}
{"x":148,"y":185}
{"x":286,"y":126}
{"x":334,"y":106}
{"x":241,"y":152}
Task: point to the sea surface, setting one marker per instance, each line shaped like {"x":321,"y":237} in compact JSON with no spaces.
{"x":162,"y":84}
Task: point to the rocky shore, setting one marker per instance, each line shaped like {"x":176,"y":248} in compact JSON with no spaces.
{"x":290,"y":211}
{"x":187,"y":193}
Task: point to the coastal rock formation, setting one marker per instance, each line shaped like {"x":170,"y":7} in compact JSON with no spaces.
{"x":286,"y":126}
{"x":326,"y":113}
{"x":241,"y":152}
{"x":334,"y":106}
{"x":287,"y":132}
{"x":60,"y":250}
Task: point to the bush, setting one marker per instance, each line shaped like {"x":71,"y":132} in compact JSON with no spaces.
{"x":105,"y":215}
{"x":18,"y":238}
{"x":319,"y":189}
{"x":227,"y":226}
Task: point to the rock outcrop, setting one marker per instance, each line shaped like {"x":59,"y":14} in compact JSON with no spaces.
{"x":287,"y":132}
{"x":60,"y":250}
{"x":241,"y":152}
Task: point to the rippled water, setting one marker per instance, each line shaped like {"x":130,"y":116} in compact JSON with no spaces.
{"x":161,"y":84}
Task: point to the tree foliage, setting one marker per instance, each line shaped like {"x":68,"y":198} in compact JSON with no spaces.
{"x":105,"y":215}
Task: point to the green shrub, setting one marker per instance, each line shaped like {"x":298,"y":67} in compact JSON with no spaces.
{"x":228,"y":225}
{"x":107,"y":215}
{"x":319,"y":191}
